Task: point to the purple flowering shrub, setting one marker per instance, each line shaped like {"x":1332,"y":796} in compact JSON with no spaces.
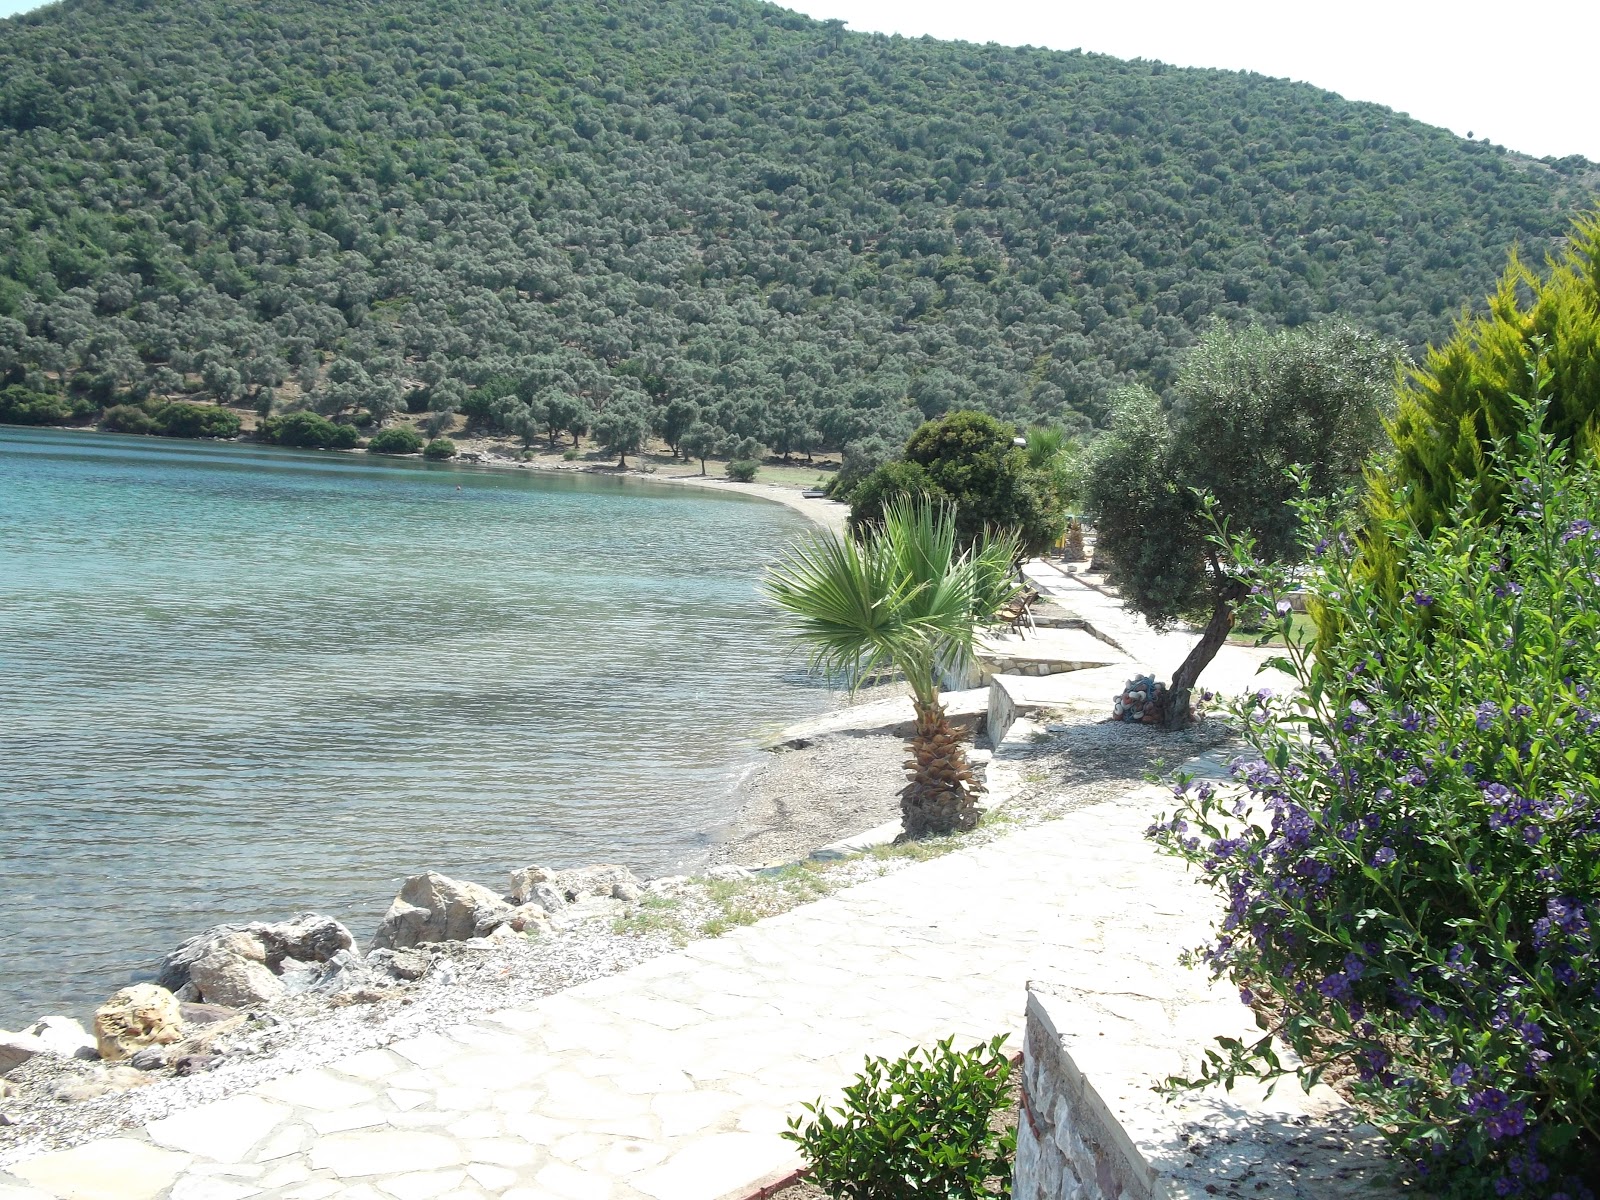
{"x":1411,"y":856}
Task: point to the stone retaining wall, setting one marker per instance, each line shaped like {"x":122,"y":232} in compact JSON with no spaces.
{"x":1094,"y":1127}
{"x":1068,"y":1142}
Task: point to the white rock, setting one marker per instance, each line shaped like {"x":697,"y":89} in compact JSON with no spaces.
{"x":727,"y":872}
{"x":64,"y":1036}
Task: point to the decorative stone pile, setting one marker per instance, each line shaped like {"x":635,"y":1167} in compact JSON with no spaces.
{"x":1141,"y":701}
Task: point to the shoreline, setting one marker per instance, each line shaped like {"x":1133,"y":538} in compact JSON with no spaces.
{"x":477,"y":452}
{"x":765,"y":770}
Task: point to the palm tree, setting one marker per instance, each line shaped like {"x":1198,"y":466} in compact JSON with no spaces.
{"x":905,"y":596}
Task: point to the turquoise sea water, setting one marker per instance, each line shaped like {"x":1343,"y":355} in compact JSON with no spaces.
{"x":238,"y":682}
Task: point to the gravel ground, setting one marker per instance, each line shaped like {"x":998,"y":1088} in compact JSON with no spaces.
{"x":801,"y":799}
{"x":849,"y":783}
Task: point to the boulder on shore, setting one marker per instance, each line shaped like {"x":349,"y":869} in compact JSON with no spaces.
{"x":554,"y":890}
{"x":136,"y":1017}
{"x":309,"y":937}
{"x":435,"y":908}
{"x":233,"y":971}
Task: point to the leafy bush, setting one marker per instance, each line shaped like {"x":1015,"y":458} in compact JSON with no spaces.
{"x":972,"y":458}
{"x":21,"y":405}
{"x":439,"y":448}
{"x":898,"y":480}
{"x":128,"y":418}
{"x":743,"y":470}
{"x":918,"y":1128}
{"x":1413,"y":868}
{"x":397,"y":439}
{"x":171,"y":419}
{"x":180,"y":419}
{"x":308,"y":430}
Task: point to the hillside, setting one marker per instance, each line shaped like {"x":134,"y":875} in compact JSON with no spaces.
{"x":810,"y":236}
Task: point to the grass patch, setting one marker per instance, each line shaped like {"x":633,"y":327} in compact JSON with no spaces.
{"x":1300,"y":626}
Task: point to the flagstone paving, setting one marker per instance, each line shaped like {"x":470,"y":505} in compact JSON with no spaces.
{"x":673,"y":1080}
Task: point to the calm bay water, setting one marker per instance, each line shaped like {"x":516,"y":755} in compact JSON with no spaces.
{"x":238,"y":683}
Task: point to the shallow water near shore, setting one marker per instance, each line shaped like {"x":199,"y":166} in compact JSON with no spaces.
{"x":238,"y":682}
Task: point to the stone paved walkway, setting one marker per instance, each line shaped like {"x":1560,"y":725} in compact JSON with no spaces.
{"x":673,"y":1080}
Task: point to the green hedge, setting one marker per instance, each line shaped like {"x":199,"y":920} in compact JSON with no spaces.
{"x":21,"y":405}
{"x":172,"y":419}
{"x":397,"y":439}
{"x":308,"y":430}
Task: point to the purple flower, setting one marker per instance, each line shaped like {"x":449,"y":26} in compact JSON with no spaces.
{"x":1487,"y":713}
{"x":1383,"y":857}
{"x":1579,"y":528}
{"x":1462,"y":1075}
{"x":1421,"y":599}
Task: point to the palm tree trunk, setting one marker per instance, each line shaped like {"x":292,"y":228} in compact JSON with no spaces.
{"x":940,"y":797}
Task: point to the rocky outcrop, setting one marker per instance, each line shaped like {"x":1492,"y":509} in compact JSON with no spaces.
{"x":435,"y":908}
{"x":309,"y":937}
{"x":242,"y":965}
{"x":554,"y":890}
{"x":134,"y":1018}
{"x":233,"y":971}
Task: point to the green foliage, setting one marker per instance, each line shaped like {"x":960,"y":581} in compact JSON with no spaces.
{"x":906,"y":595}
{"x":699,"y":441}
{"x":1247,"y":406}
{"x":397,"y":439}
{"x":1413,"y":874}
{"x":21,"y":405}
{"x":817,"y":237}
{"x":859,"y":460}
{"x":127,"y":418}
{"x":895,"y":480}
{"x":308,"y":430}
{"x":918,"y":1128}
{"x":622,"y":428}
{"x":171,"y":419}
{"x":972,"y":458}
{"x":743,"y":470}
{"x":439,"y":448}
{"x":1465,"y":398}
{"x":178,"y":419}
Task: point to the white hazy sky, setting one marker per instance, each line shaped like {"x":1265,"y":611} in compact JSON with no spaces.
{"x":1515,"y":75}
{"x":1518,"y":76}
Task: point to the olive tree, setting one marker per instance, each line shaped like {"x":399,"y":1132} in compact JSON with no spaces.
{"x":1247,"y":407}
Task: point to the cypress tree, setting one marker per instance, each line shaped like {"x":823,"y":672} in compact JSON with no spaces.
{"x":1455,"y":408}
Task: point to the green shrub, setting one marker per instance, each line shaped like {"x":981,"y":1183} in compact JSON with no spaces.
{"x":570,"y":456}
{"x":21,"y":405}
{"x":180,"y":419}
{"x":896,"y":480}
{"x":972,"y":458}
{"x":308,"y":430}
{"x":743,"y":470}
{"x":172,"y":419}
{"x":919,"y":1128}
{"x":1413,"y":871}
{"x":441,"y":447}
{"x":128,"y":418}
{"x":397,"y":439}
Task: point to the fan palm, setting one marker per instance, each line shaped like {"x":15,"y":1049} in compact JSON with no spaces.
{"x":907,"y":597}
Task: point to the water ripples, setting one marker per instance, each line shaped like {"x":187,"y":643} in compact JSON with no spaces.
{"x":240,"y":683}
